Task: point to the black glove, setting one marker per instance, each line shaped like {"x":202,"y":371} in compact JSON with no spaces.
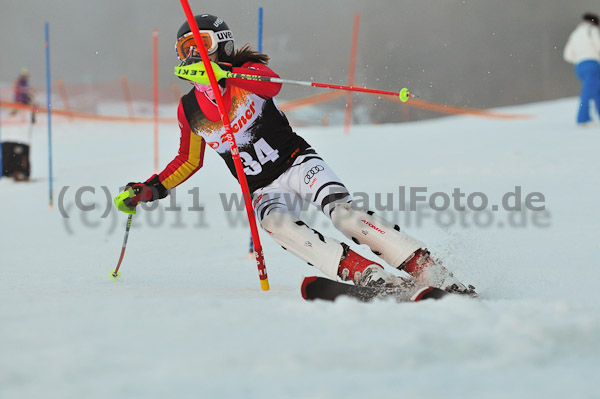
{"x":150,"y":190}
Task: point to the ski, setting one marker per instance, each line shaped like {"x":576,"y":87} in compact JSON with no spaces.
{"x":314,"y":287}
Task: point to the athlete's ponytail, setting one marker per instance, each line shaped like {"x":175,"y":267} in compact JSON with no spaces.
{"x":247,"y":54}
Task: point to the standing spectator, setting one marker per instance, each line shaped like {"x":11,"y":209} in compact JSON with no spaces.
{"x":583,"y":50}
{"x":22,"y":90}
{"x":15,"y":160}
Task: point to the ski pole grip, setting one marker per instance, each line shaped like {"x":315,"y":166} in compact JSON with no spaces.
{"x":122,"y":197}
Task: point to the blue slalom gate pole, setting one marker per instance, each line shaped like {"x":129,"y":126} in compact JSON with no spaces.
{"x":260,"y":28}
{"x":259,"y":47}
{"x":1,"y":164}
{"x":49,"y":101}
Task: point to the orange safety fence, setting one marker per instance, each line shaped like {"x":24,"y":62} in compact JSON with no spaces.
{"x":86,"y":115}
{"x":82,"y":101}
{"x":310,"y":100}
{"x":449,"y":109}
{"x":89,"y":97}
{"x":285,"y":106}
{"x":70,"y":113}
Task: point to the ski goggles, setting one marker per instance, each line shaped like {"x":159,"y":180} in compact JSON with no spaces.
{"x":210,"y":40}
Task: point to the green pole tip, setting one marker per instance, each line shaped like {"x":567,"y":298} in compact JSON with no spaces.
{"x":404,"y":95}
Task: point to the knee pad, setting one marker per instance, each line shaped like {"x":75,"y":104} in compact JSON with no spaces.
{"x":308,"y":244}
{"x":385,"y":239}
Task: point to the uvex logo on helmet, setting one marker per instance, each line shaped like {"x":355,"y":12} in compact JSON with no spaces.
{"x":218,"y":22}
{"x":225,"y":35}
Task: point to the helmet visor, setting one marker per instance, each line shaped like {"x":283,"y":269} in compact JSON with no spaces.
{"x":209,"y":39}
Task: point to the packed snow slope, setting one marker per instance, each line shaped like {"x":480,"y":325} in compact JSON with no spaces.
{"x":187,"y":319}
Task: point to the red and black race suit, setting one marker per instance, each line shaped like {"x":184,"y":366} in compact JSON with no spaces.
{"x":266,"y":143}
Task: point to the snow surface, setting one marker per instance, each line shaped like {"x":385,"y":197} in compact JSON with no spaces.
{"x":188,"y":320}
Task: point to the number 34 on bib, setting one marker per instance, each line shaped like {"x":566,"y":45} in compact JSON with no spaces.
{"x":264,"y":153}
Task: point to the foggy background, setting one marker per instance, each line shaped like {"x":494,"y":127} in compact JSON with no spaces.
{"x":480,"y":54}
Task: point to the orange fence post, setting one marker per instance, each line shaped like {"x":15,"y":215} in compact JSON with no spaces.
{"x":65,"y":98}
{"x":127,"y":95}
{"x":155,"y":62}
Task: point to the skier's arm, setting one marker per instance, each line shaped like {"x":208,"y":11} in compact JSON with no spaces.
{"x":187,"y":162}
{"x":189,"y":159}
{"x":263,"y":89}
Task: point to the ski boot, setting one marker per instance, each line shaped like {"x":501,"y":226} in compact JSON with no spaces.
{"x":364,"y":272}
{"x":426,"y":270}
{"x":361,"y":271}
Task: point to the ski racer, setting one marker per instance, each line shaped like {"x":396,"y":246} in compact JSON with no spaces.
{"x":282,"y":171}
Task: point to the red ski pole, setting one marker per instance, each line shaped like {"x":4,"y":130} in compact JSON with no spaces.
{"x":189,"y":71}
{"x":239,"y":168}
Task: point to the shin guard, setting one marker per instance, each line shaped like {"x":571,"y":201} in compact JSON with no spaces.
{"x":309,"y":245}
{"x":385,"y":239}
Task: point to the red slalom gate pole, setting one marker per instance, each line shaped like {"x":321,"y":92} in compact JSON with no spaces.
{"x":258,"y":252}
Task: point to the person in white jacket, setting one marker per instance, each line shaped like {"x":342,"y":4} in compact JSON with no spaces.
{"x":583,"y":50}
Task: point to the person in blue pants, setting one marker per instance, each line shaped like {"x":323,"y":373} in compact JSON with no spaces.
{"x":583,"y":50}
